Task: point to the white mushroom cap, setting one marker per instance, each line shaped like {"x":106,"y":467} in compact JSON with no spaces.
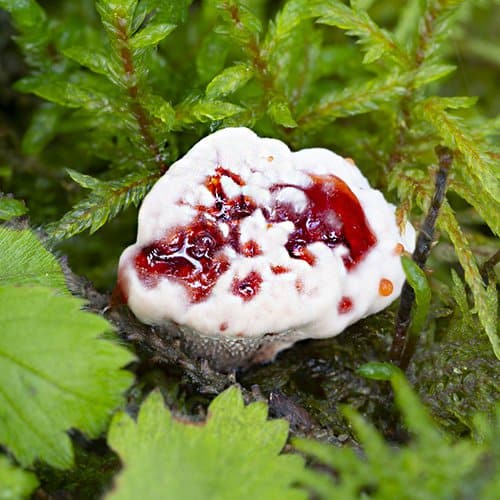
{"x":216,"y":253}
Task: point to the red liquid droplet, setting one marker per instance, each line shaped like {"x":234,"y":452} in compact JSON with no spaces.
{"x":333,"y":216}
{"x":248,"y":287}
{"x":190,"y":255}
{"x":251,"y":249}
{"x":345,"y":305}
{"x":279,"y":269}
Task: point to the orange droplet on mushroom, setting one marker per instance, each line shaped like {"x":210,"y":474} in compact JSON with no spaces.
{"x":399,"y":249}
{"x":385,"y":287}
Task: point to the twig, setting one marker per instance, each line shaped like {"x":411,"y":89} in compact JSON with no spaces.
{"x":403,"y":345}
{"x":489,"y":265}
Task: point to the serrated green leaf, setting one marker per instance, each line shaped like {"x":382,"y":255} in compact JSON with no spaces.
{"x":10,"y":208}
{"x":55,"y":374}
{"x":25,"y":261}
{"x":230,"y":80}
{"x":418,"y":281}
{"x":234,"y":454}
{"x":280,"y":113}
{"x":15,"y":483}
{"x":151,"y":35}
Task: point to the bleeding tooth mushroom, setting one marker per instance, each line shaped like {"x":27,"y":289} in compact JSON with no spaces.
{"x":245,"y":247}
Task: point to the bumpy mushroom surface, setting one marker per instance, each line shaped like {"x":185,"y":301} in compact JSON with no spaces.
{"x":243,"y":240}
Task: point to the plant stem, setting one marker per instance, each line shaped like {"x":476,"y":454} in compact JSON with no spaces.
{"x":403,"y":345}
{"x":133,"y":91}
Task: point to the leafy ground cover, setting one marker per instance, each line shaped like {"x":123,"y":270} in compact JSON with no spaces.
{"x":97,"y":99}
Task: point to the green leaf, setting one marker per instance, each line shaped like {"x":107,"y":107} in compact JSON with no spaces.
{"x":376,"y":370}
{"x":90,"y":58}
{"x":151,"y":35}
{"x":106,"y":200}
{"x":42,"y":129}
{"x":234,"y":454}
{"x":230,"y":80}
{"x":212,"y":55}
{"x":431,"y":72}
{"x":280,"y":113}
{"x":418,"y":281}
{"x":485,"y":299}
{"x":113,"y":12}
{"x":27,"y":14}
{"x":353,"y":100}
{"x":239,"y":21}
{"x":15,"y":483}
{"x":376,"y":41}
{"x":10,"y":208}
{"x":206,"y":111}
{"x":295,"y":12}
{"x":55,"y":374}
{"x":479,"y":172}
{"x":34,"y":31}
{"x":25,"y":261}
{"x":158,"y":107}
{"x":56,"y":89}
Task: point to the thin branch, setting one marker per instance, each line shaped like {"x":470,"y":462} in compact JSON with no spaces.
{"x":403,"y":345}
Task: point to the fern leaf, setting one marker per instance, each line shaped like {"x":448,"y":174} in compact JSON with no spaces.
{"x":477,"y":169}
{"x":375,"y":41}
{"x":105,"y":201}
{"x":485,"y":299}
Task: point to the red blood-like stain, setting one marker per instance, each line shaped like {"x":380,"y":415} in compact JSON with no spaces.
{"x":225,"y":209}
{"x":251,"y":249}
{"x":120,"y":293}
{"x":248,"y":287}
{"x":223,"y":327}
{"x":193,"y":255}
{"x":190,"y":255}
{"x":345,"y":305}
{"x":279,"y":269}
{"x":299,"y":286}
{"x":333,"y":216}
